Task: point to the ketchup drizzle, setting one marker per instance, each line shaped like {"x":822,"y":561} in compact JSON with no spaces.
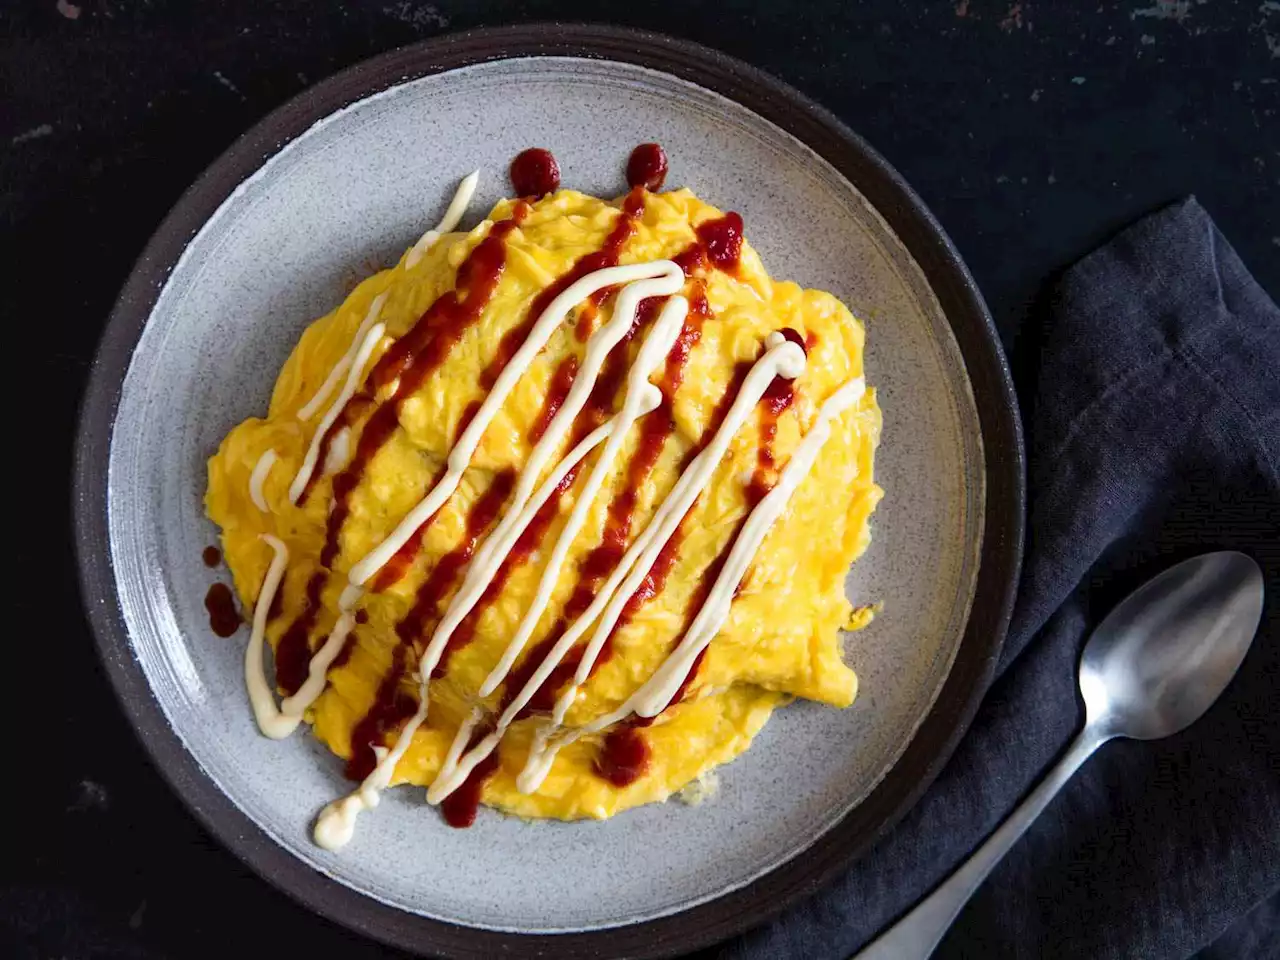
{"x":400,"y":562}
{"x":407,"y":364}
{"x":393,"y":705}
{"x":293,"y":651}
{"x":719,"y":244}
{"x":344,"y":655}
{"x":211,"y":556}
{"x":655,"y":580}
{"x":778,"y":396}
{"x":723,"y":241}
{"x":561,"y":382}
{"x":449,"y":568}
{"x":623,"y":757}
{"x":461,"y":806}
{"x":793,"y":335}
{"x":600,"y":404}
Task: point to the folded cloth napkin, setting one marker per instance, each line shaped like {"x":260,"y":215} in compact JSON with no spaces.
{"x":1153,"y":435}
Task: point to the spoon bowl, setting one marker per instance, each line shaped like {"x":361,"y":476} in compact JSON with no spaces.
{"x":1162,"y":657}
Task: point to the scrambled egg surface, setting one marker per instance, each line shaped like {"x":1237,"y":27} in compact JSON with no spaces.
{"x":781,"y":639}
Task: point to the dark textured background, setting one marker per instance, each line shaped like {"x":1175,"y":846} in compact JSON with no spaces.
{"x":1033,"y":130}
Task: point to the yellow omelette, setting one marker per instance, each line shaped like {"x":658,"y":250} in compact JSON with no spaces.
{"x":782,"y":637}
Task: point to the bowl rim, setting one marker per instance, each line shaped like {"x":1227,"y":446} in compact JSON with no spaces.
{"x":1003,"y":525}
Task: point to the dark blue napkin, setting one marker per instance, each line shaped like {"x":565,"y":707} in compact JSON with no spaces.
{"x":1153,"y":434}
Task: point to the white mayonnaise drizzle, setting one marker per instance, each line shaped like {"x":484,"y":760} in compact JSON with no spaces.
{"x":336,"y":374}
{"x":656,"y":693}
{"x":452,"y":216}
{"x":270,"y":721}
{"x":460,"y":456}
{"x":354,"y":375}
{"x":339,"y":452}
{"x":258,"y":477}
{"x":336,"y":823}
{"x":781,"y":358}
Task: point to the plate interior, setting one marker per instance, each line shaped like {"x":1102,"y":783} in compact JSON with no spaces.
{"x":352,"y":192}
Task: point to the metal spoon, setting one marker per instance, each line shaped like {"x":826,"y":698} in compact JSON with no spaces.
{"x":1153,"y":667}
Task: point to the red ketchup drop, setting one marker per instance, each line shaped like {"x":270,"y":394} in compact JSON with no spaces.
{"x":224,"y":617}
{"x":624,"y":756}
{"x":535,"y":173}
{"x":722,"y":240}
{"x":211,"y":556}
{"x":647,"y":167}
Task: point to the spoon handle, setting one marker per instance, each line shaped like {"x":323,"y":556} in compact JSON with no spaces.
{"x":918,"y":932}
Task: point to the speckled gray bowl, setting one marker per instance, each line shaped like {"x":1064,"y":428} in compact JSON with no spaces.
{"x":349,"y":174}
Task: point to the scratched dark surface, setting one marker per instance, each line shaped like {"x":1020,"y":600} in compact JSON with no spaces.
{"x":1032,"y":131}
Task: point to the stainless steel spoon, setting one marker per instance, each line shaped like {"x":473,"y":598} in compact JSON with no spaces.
{"x":1152,"y":667}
